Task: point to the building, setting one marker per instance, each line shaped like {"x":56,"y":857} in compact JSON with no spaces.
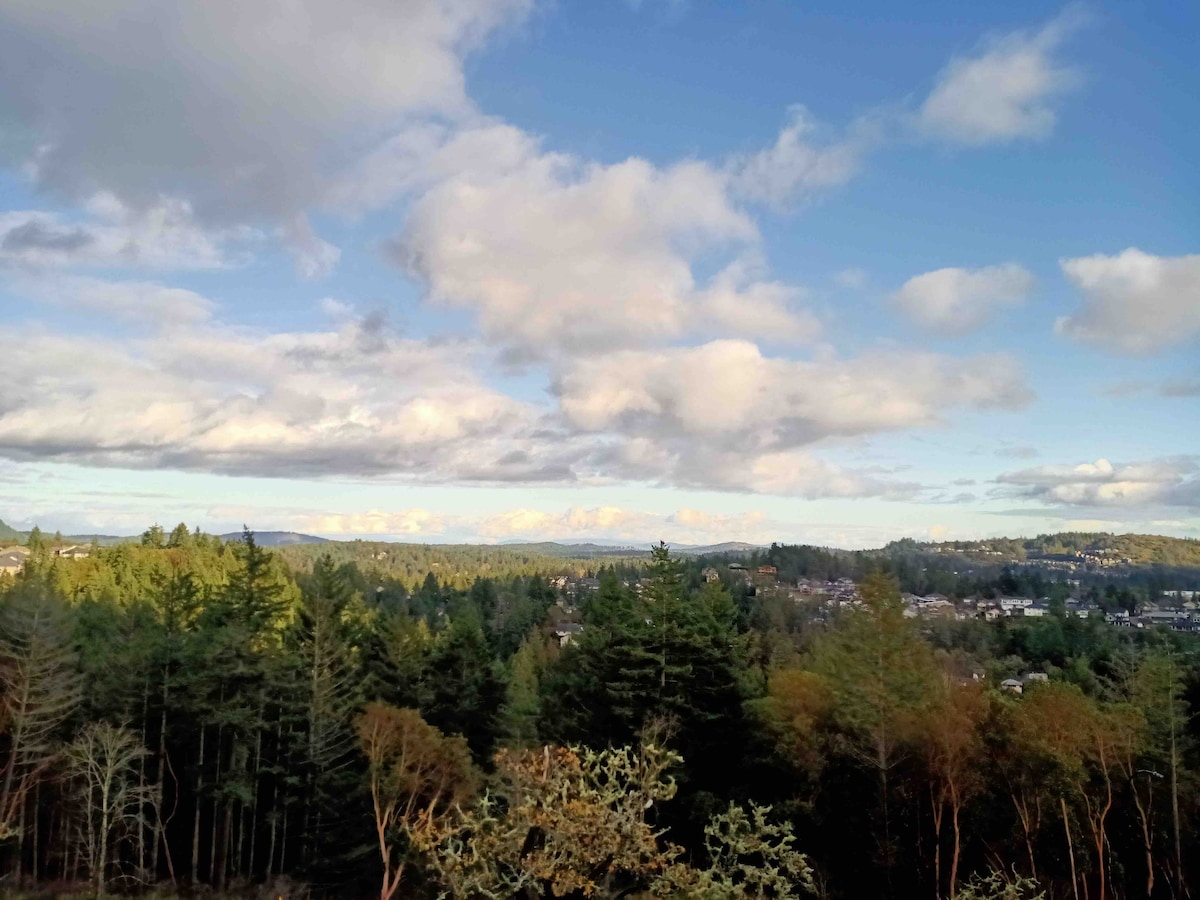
{"x":74,"y":551}
{"x":710,"y":575}
{"x":1010,"y":604}
{"x":11,"y":563}
{"x":567,"y":632}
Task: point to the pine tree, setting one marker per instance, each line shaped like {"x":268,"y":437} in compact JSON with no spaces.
{"x":41,"y":689}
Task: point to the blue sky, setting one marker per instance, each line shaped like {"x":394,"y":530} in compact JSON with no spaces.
{"x":453,"y":270}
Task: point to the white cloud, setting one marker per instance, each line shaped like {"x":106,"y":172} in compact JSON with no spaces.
{"x":800,"y":163}
{"x":684,"y":526}
{"x":1158,"y":482}
{"x":1134,"y":302}
{"x":728,"y":389}
{"x":957,"y":301}
{"x":1004,"y":92}
{"x":556,"y":254}
{"x":359,"y":400}
{"x":247,"y":110}
{"x":401,"y":522}
{"x":143,"y":303}
{"x":164,"y":235}
{"x":723,"y":415}
{"x":314,"y":257}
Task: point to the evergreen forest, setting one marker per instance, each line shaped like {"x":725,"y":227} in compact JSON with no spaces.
{"x":187,"y":716}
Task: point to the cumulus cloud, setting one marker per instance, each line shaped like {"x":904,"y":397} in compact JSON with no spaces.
{"x":1005,"y":91}
{"x":112,"y":234}
{"x":553,"y":253}
{"x":724,"y":415}
{"x":800,"y":162}
{"x":358,"y":400}
{"x":727,"y":390}
{"x":1134,"y":302}
{"x":1159,"y":482}
{"x":954,"y":302}
{"x":184,"y":390}
{"x":400,"y":522}
{"x":687,"y":526}
{"x":144,"y":303}
{"x":247,"y":110}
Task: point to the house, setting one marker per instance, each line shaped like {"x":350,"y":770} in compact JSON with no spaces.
{"x":1012,"y":685}
{"x":710,"y":575}
{"x":1181,"y":595}
{"x":74,"y":551}
{"x":768,"y":571}
{"x":1011,"y":604}
{"x":11,"y":563}
{"x":567,"y":632}
{"x":1035,"y":610}
{"x":1036,"y":676}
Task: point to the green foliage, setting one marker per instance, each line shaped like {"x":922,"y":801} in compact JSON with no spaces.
{"x":995,"y":886}
{"x":242,"y":669}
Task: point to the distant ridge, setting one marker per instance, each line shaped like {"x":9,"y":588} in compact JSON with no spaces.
{"x":726,"y":547}
{"x":277,"y":538}
{"x":8,"y":533}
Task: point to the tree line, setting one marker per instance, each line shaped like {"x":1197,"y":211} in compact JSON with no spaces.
{"x":199,"y":714}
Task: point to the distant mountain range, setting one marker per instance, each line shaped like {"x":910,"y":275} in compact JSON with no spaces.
{"x":278,"y":538}
{"x":584,"y":550}
{"x":8,"y":534}
{"x":571,"y":549}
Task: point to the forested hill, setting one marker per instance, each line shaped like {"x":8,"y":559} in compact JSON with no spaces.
{"x":277,"y":538}
{"x":1096,"y":547}
{"x":196,"y":712}
{"x":457,"y":565}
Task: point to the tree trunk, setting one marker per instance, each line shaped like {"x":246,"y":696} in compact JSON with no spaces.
{"x":254,"y":802}
{"x":223,"y":847}
{"x":37,"y":806}
{"x":1070,"y":848}
{"x":160,"y":790}
{"x":23,"y":797}
{"x":212,"y":837}
{"x":283,"y":837}
{"x":938,"y":813}
{"x":141,"y":816}
{"x":196,"y":819}
{"x":102,"y":838}
{"x":954,"y":811}
{"x":1180,"y":882}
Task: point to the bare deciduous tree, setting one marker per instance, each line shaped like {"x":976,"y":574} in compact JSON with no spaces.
{"x":103,"y":764}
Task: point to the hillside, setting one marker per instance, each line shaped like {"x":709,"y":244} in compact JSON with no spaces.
{"x":458,"y":565}
{"x":277,"y":538}
{"x":728,"y":547}
{"x":1098,"y":547}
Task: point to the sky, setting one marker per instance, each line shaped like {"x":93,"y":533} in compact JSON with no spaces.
{"x":498,"y":270}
